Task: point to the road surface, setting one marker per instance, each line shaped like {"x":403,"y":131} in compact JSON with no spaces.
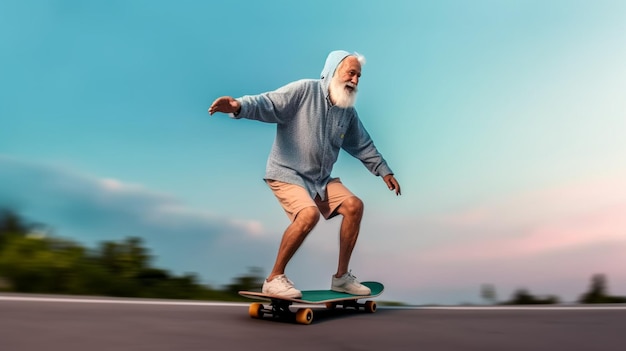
{"x":36,"y":322}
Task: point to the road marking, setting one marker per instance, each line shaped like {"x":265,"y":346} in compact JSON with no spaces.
{"x":520,"y":308}
{"x":216,"y":303}
{"x":116,"y":301}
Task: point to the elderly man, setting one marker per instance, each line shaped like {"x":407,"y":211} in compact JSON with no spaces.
{"x":315,"y":119}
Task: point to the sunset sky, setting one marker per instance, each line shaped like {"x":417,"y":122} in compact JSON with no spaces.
{"x":504,"y":122}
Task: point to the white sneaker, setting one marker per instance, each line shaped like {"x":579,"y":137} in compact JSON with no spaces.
{"x":281,"y":286}
{"x":348,"y":284}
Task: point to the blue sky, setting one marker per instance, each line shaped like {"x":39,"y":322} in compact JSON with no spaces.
{"x":503,"y":121}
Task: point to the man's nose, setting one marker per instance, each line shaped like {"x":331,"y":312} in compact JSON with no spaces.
{"x":355,"y":80}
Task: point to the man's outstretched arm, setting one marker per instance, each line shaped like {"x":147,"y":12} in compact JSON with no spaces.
{"x":392,"y":183}
{"x":225,"y":104}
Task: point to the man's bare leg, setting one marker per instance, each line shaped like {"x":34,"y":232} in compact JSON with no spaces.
{"x":293,"y":237}
{"x":352,"y":211}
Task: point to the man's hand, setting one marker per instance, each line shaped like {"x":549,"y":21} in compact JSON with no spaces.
{"x":392,"y":183}
{"x":225,"y":104}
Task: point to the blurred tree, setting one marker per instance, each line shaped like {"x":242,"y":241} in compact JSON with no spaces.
{"x":599,"y":292}
{"x":524,"y":297}
{"x":125,"y":259}
{"x":33,"y":261}
{"x":251,"y":281}
{"x":488,"y":292}
{"x":10,"y":222}
{"x":36,"y":264}
{"x":10,"y":225}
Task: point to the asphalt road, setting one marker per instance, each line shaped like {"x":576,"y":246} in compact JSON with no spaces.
{"x":30,"y":322}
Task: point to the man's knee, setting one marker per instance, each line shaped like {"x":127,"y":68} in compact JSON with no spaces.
{"x":352,"y":206}
{"x":307,"y":218}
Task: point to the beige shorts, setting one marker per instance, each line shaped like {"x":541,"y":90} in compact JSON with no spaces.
{"x":293,"y":198}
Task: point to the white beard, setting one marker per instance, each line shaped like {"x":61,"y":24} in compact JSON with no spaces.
{"x":341,"y":94}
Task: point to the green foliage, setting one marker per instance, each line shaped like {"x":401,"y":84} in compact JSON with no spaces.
{"x":33,"y":262}
{"x":10,"y":222}
{"x":11,"y":225}
{"x":250,"y":282}
{"x":126,"y":259}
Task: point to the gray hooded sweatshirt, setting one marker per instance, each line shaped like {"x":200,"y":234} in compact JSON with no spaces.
{"x":310,"y":131}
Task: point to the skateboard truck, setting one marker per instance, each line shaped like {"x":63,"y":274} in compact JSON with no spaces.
{"x":280,"y":310}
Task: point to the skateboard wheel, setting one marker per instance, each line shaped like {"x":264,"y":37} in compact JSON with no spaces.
{"x":331,"y":305}
{"x":370,"y":306}
{"x":256,"y":310}
{"x":304,"y":316}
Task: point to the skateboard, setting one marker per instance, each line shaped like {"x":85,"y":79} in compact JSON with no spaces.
{"x":279,"y":307}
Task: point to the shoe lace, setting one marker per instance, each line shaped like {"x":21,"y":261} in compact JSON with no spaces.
{"x":284,"y":280}
{"x":350,"y":277}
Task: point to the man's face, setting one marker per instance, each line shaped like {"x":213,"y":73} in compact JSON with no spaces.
{"x":343,"y":87}
{"x":349,"y":71}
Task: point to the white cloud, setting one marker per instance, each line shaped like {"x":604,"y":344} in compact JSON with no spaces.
{"x":90,"y":209}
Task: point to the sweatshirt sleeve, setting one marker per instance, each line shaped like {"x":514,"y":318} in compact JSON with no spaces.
{"x":274,"y":106}
{"x":360,"y":145}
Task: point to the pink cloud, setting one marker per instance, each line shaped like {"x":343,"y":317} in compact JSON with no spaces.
{"x":564,"y":234}
{"x":564,"y":199}
{"x":562,"y":218}
{"x":550,"y":241}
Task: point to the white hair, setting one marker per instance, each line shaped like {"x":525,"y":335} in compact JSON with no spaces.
{"x":360,"y":58}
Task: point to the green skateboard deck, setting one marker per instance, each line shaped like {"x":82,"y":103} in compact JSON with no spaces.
{"x":279,"y":306}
